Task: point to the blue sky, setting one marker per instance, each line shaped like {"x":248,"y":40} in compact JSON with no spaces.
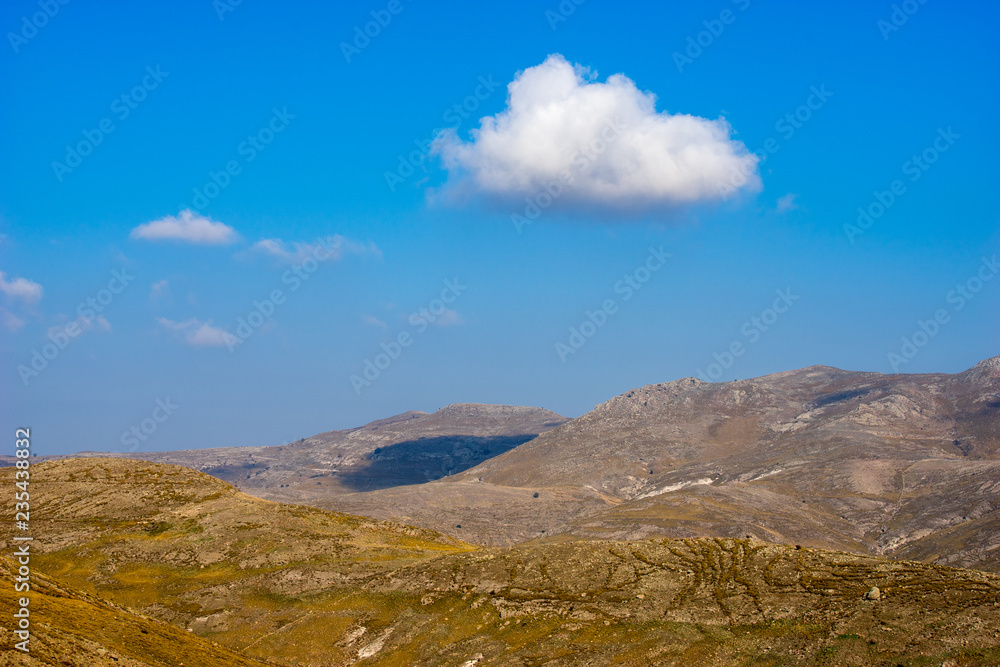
{"x":840,"y":100}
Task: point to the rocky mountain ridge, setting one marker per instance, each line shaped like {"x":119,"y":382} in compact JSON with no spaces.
{"x":897,"y":465}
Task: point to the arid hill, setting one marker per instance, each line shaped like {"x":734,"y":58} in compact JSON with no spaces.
{"x":410,"y":448}
{"x":905,"y":466}
{"x":126,"y":546}
{"x":70,"y":627}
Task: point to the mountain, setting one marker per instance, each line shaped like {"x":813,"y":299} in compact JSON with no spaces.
{"x":410,"y":448}
{"x":132,"y":556}
{"x":897,"y":465}
{"x":904,"y":466}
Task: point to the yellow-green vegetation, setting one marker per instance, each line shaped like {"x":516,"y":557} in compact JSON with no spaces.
{"x":69,"y":627}
{"x":302,"y":586}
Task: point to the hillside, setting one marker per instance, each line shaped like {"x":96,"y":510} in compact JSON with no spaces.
{"x":906,"y":466}
{"x":70,"y":627}
{"x":410,"y":448}
{"x":303,"y":586}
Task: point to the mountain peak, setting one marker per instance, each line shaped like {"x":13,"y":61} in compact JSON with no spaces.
{"x":991,"y":365}
{"x":985,"y":372}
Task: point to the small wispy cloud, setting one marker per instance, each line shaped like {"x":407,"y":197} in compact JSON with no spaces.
{"x":448,"y":318}
{"x":18,"y":290}
{"x":373,"y":321}
{"x":99,"y":323}
{"x":187,"y":227}
{"x":159,"y":290}
{"x":787,"y":203}
{"x":296,"y":252}
{"x":26,"y":290}
{"x":196,"y":333}
{"x":10,"y":321}
{"x":81,"y":324}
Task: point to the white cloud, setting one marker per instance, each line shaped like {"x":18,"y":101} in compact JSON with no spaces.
{"x":787,"y":203}
{"x":619,"y":152}
{"x":295,"y":252}
{"x":10,"y":321}
{"x":448,"y":318}
{"x":373,"y":321}
{"x":187,"y":227}
{"x":99,"y":323}
{"x":21,"y":288}
{"x":159,"y":289}
{"x":197,"y":333}
{"x":80,"y":325}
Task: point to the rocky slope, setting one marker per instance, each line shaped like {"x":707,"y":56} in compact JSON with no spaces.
{"x":410,"y":448}
{"x":301,"y":586}
{"x":905,"y":466}
{"x":70,"y":627}
{"x":901,"y":465}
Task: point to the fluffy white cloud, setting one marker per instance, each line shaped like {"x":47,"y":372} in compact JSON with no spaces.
{"x":603,"y":143}
{"x":21,"y":288}
{"x":295,"y":252}
{"x":197,"y":333}
{"x":188,"y":227}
